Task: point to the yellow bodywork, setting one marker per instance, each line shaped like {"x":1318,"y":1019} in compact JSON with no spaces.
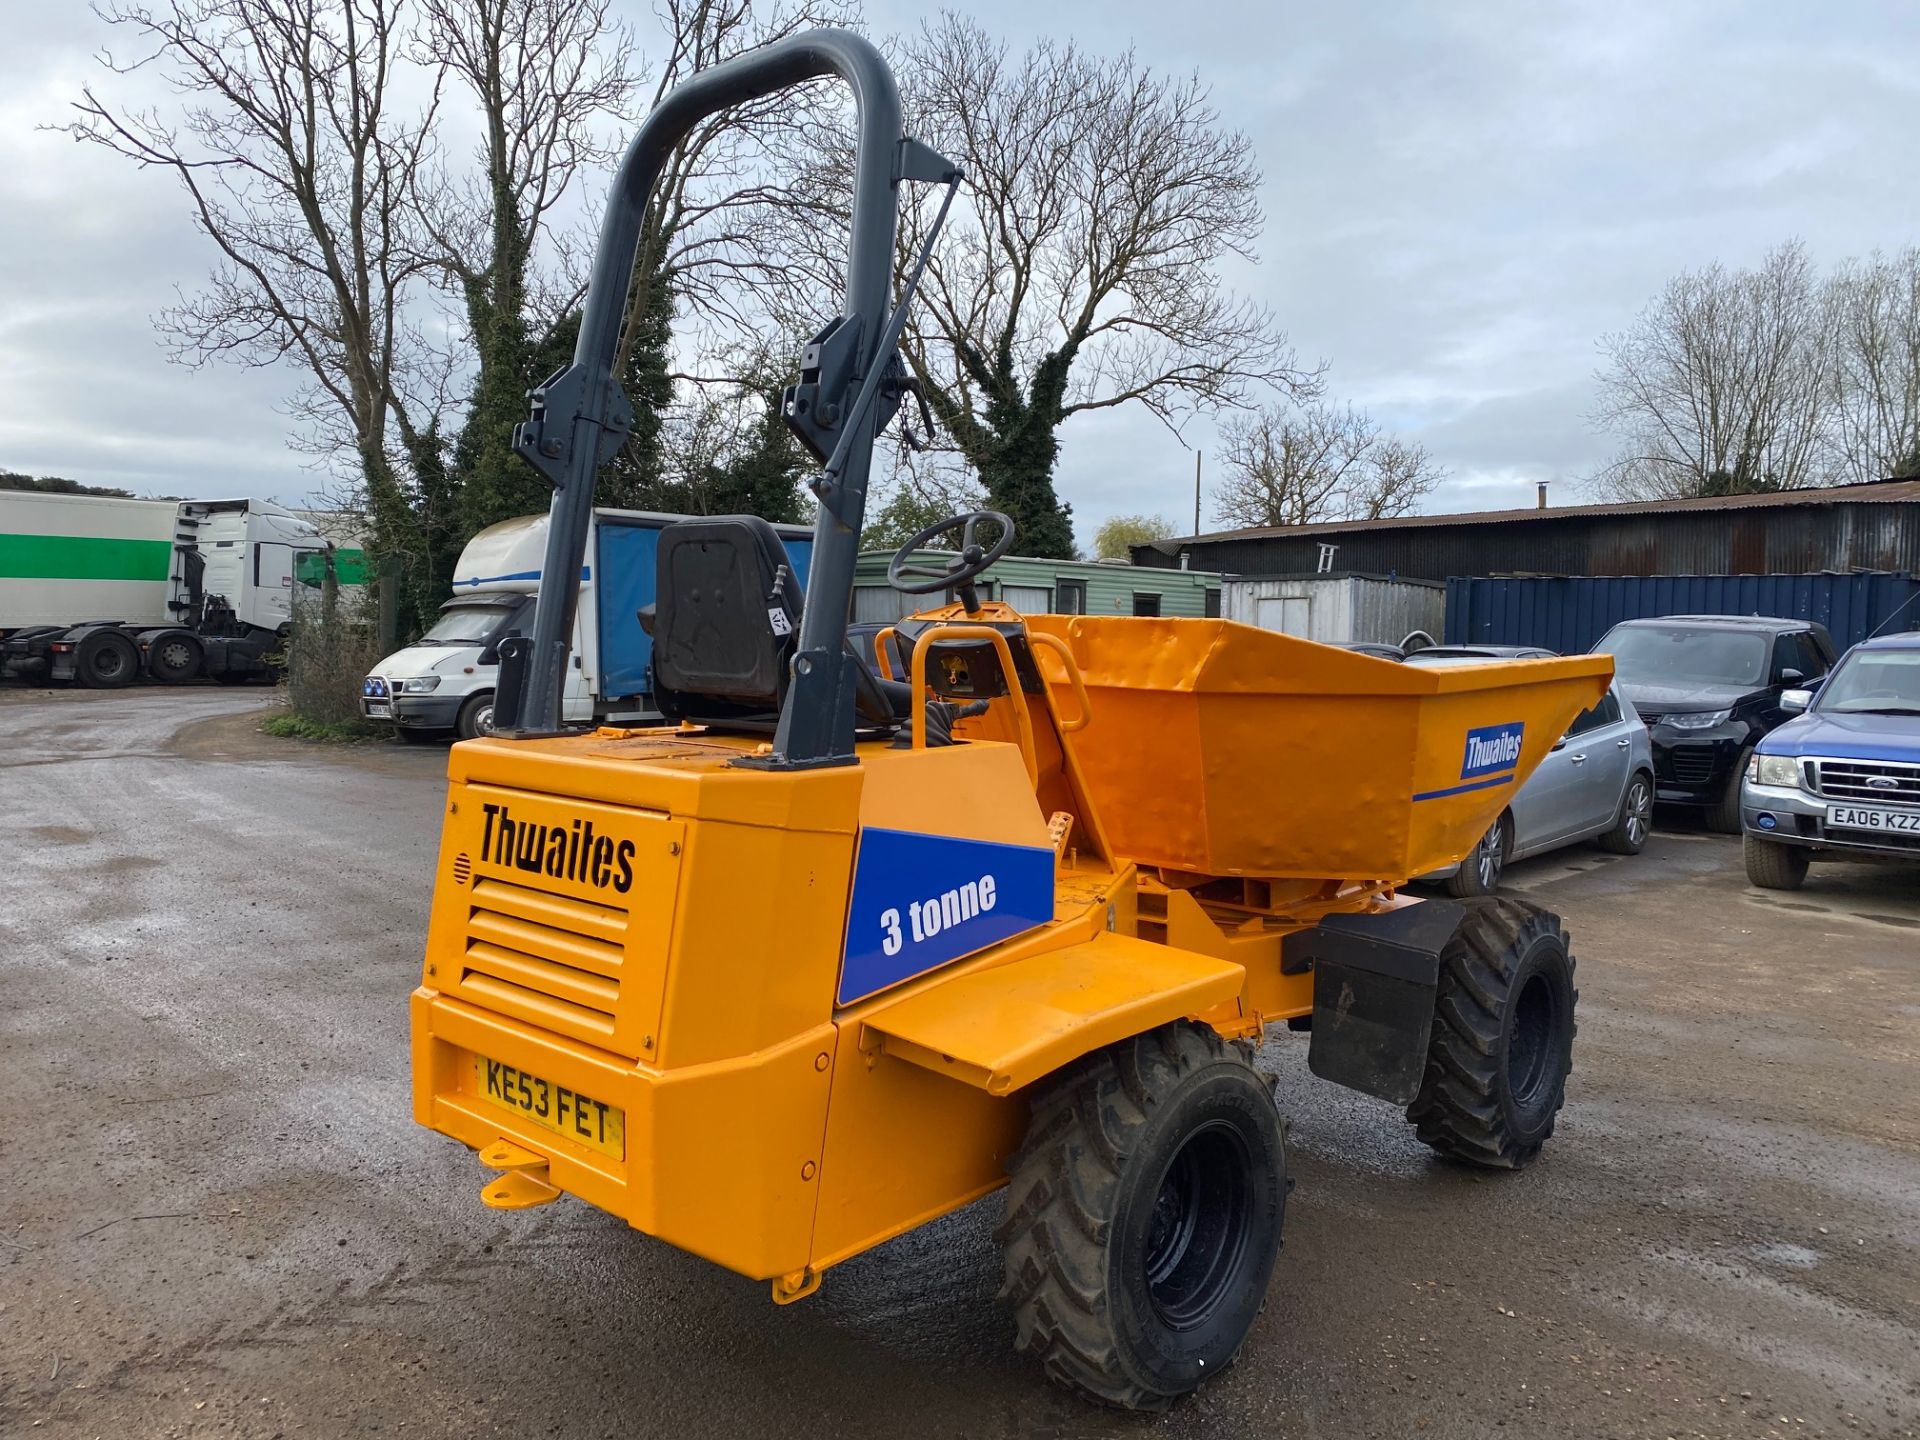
{"x":636,"y":946}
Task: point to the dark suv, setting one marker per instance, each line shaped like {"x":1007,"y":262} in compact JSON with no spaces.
{"x":1708,"y":687}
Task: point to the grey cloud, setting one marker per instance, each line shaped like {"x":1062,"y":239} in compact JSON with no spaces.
{"x":1461,"y":198}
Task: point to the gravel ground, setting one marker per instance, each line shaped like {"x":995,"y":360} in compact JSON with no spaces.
{"x":218,"y":1218}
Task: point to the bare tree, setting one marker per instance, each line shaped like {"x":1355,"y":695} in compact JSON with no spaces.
{"x":1083,"y":270}
{"x":1304,"y":465}
{"x":1876,"y":369}
{"x":544,"y":77}
{"x":294,"y":155}
{"x":1723,"y":383}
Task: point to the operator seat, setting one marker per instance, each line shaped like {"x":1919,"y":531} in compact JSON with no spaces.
{"x":725,"y":619}
{"x":725,"y":624}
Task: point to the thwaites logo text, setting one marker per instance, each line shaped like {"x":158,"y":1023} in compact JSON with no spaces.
{"x":562,"y":852}
{"x":1491,"y":749}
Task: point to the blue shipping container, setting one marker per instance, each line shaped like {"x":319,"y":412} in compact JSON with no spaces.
{"x":1569,"y":613}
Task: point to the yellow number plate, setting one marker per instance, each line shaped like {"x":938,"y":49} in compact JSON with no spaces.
{"x":589,"y":1122}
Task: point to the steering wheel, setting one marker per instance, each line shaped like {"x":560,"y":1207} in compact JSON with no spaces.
{"x":968,"y":564}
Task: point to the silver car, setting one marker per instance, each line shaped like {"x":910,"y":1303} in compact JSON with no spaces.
{"x":1596,"y":784}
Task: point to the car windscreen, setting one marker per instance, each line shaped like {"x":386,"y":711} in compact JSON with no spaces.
{"x":467,"y":624}
{"x":1874,"y":682}
{"x":1681,"y":655}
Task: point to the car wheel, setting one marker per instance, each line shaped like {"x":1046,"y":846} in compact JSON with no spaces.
{"x":1629,"y":833}
{"x":1773,"y":866}
{"x":476,"y":717}
{"x":1723,"y":816}
{"x":107,"y":660}
{"x":1480,"y":871}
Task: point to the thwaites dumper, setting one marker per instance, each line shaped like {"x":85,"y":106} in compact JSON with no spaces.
{"x":1005,"y":903}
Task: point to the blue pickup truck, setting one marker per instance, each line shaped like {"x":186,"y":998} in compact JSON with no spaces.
{"x":1841,"y":781}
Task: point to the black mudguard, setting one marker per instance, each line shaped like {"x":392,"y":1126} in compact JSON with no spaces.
{"x":1374,"y":981}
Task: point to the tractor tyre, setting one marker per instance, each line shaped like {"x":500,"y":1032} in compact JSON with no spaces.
{"x":1723,"y":815}
{"x":1144,"y":1216}
{"x":1773,"y":866}
{"x":1502,"y":1043}
{"x":106,"y":660}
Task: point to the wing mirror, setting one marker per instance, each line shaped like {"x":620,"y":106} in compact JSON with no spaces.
{"x":1796,"y":700}
{"x":1559,"y":744}
{"x":489,"y":656}
{"x":1791,"y":676}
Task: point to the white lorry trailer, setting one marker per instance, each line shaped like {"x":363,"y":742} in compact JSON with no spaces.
{"x":108,"y":591}
{"x":443,"y":683}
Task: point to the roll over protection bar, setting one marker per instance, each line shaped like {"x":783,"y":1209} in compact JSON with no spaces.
{"x":581,"y":417}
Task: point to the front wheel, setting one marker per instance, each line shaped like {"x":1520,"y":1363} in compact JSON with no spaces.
{"x":476,"y":717}
{"x":1144,"y":1216}
{"x":1773,"y":866}
{"x":1502,"y":1043}
{"x":1723,"y":815}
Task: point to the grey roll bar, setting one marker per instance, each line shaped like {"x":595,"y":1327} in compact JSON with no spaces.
{"x":581,"y":418}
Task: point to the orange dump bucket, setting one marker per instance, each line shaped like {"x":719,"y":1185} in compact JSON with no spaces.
{"x":1220,"y":749}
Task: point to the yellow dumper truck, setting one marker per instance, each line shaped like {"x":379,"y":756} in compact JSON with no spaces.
{"x":863,"y":936}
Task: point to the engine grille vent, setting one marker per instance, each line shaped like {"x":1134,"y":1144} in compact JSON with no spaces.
{"x":549,"y":959}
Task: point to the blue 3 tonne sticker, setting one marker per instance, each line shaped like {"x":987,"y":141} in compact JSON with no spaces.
{"x":922,"y":901}
{"x":1492,"y":749}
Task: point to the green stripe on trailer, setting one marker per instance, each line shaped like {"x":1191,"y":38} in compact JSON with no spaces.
{"x":83,"y":557}
{"x":349,"y":567}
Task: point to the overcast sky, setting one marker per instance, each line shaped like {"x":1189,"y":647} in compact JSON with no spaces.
{"x":1461,"y":198}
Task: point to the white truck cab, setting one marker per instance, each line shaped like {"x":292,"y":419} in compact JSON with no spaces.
{"x":443,"y":683}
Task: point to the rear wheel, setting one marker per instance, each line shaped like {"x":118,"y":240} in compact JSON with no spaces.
{"x":1479,"y":873}
{"x":106,"y":660}
{"x":1723,"y":815}
{"x":1502,"y":1043}
{"x":174,"y":658}
{"x":1773,"y":866}
{"x":1629,"y":833}
{"x":1144,"y":1216}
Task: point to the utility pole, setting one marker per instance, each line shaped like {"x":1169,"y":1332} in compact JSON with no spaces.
{"x":1196,"y":490}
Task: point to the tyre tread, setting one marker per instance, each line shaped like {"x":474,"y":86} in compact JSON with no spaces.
{"x":1083,"y":1132}
{"x":1457,"y":1111}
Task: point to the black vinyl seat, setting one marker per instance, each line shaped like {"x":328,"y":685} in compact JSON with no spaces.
{"x":726,"y":623}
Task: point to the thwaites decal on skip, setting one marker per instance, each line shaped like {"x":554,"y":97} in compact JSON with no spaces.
{"x":562,"y":852}
{"x":920,"y":901}
{"x":1491,"y":749}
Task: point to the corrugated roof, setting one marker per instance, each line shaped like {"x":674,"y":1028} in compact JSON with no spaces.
{"x":1869,"y":492}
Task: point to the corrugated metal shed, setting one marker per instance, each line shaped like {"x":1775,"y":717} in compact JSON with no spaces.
{"x":1337,"y":609}
{"x":1038,"y":587}
{"x":1848,"y":527}
{"x":1569,"y":614}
